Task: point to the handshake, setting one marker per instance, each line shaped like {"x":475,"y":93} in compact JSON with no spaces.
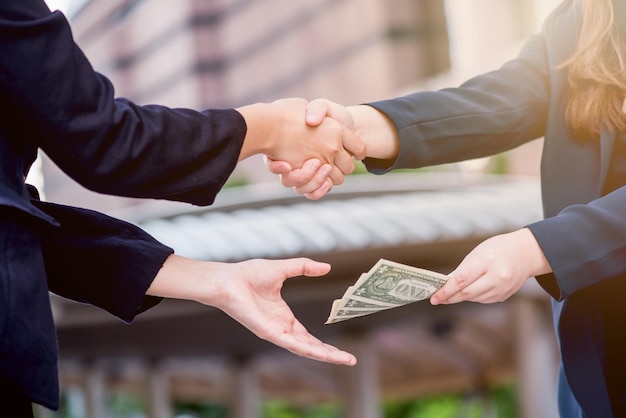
{"x":312,"y":145}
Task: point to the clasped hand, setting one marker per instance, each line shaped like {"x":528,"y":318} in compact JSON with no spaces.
{"x":277,"y":130}
{"x":316,"y":177}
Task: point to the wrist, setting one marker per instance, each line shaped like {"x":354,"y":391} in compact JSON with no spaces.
{"x":188,"y":279}
{"x":269,"y":125}
{"x":259,"y":119}
{"x":538,"y":263}
{"x":377,"y":131}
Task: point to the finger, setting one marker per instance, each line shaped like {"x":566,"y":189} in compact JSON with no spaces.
{"x":316,"y":111}
{"x":302,"y":176}
{"x":336,"y":175}
{"x":277,"y":167}
{"x":354,"y":145}
{"x":321,"y":191}
{"x":302,"y":343}
{"x":457,"y":282}
{"x":318,"y":180}
{"x":326,"y":353}
{"x":304,"y":267}
{"x":478,"y":291}
{"x":490,"y":296}
{"x":344,"y":162}
{"x":324,"y":107}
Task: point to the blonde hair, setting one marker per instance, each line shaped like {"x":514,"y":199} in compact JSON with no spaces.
{"x":597,"y":75}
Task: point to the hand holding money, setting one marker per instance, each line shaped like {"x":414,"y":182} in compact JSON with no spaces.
{"x":387,"y":285}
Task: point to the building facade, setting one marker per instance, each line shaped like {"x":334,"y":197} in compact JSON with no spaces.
{"x":228,"y":53}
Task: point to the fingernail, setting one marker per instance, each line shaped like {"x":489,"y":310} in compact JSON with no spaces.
{"x":327,"y":169}
{"x":434,"y":301}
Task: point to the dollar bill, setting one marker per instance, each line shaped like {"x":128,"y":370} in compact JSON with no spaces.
{"x":387,"y":285}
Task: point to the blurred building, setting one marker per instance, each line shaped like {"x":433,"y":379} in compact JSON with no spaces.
{"x":201,"y":54}
{"x":228,"y":53}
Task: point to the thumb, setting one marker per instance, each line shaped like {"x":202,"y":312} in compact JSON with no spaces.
{"x":438,"y":296}
{"x":277,"y":167}
{"x":317,"y":110}
{"x":295,"y":267}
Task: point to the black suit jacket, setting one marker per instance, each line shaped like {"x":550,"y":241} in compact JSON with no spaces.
{"x":584,"y":233}
{"x":53,"y":100}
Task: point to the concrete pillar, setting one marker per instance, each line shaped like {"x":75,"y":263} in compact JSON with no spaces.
{"x":361,"y":382}
{"x":95,"y":393}
{"x":246,"y":397}
{"x":537,"y":358}
{"x":159,"y":396}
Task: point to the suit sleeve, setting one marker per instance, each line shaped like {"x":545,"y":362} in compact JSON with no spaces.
{"x":52,"y":98}
{"x":490,"y":113}
{"x":584,"y":244}
{"x":96,"y":259}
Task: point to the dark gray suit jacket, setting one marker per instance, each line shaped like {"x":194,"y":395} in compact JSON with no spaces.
{"x":584,"y":233}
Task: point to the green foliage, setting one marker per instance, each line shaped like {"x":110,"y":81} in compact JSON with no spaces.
{"x":502,"y":401}
{"x":359,"y":168}
{"x":196,"y":410}
{"x":236,"y":181}
{"x":498,"y":164}
{"x":499,"y":402}
{"x":505,"y":400}
{"x":126,"y":406}
{"x":283,"y":409}
{"x":444,"y":406}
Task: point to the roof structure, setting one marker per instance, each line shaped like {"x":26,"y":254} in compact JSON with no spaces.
{"x":367,"y":213}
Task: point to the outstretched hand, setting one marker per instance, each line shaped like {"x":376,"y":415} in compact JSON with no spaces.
{"x":250,"y":292}
{"x":494,"y":270}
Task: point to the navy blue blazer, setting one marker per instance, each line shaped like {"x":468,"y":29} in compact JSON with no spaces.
{"x":53,"y":100}
{"x":583,"y":234}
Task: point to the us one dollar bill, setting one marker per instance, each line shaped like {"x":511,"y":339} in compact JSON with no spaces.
{"x":387,"y":285}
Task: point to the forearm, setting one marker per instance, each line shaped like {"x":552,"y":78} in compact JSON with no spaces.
{"x":185,"y":278}
{"x":490,"y":113}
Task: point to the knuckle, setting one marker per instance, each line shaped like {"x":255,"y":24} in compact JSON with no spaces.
{"x":362,"y":151}
{"x":505,"y":274}
{"x":336,"y":147}
{"x":464,"y":295}
{"x":460,"y":280}
{"x":348,"y":167}
{"x":442,"y":294}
